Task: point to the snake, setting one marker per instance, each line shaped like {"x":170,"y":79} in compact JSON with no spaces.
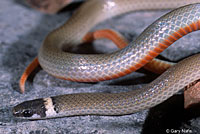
{"x":57,"y":61}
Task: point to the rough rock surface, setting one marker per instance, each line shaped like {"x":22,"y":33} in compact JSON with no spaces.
{"x":22,"y":30}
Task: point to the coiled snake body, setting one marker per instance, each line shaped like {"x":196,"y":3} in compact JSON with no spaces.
{"x":77,"y":67}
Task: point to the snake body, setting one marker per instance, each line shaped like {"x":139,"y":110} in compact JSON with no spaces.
{"x":91,"y":68}
{"x":157,"y":37}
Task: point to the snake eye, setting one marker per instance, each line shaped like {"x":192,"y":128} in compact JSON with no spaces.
{"x":27,"y":113}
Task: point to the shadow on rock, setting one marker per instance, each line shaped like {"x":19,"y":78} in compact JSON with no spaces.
{"x":169,"y":115}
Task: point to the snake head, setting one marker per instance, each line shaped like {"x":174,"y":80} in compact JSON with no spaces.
{"x":33,"y":109}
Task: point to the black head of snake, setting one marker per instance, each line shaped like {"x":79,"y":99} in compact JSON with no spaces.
{"x":28,"y":109}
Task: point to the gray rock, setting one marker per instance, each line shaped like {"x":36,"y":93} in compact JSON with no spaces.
{"x":22,"y":31}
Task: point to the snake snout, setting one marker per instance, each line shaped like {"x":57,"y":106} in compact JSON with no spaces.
{"x":16,"y":111}
{"x":30,"y":109}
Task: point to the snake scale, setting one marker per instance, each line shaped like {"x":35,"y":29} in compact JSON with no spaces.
{"x":84,"y":67}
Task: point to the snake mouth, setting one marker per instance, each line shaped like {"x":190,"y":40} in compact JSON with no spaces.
{"x":25,"y":114}
{"x":18,"y":111}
